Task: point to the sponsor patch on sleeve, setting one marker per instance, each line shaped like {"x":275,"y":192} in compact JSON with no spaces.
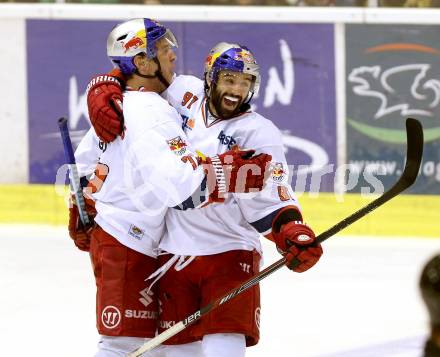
{"x":177,"y":145}
{"x":278,"y":172}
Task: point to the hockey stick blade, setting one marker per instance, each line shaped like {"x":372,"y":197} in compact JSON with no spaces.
{"x":414,"y":132}
{"x":414,"y":153}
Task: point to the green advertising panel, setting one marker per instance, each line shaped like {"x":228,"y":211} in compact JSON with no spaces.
{"x":392,"y":73}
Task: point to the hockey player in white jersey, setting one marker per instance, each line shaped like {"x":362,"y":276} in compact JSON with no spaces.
{"x":221,"y":243}
{"x":138,"y":177}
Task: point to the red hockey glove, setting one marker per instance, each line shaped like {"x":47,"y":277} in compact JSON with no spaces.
{"x":79,"y":234}
{"x":104,"y":101}
{"x":236,"y":171}
{"x":297,"y":243}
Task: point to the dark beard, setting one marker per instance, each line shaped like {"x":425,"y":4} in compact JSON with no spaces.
{"x":216,"y":100}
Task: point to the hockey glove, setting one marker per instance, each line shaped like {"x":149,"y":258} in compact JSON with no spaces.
{"x":104,"y":101}
{"x":235,"y":171}
{"x":80,"y":234}
{"x":297,"y":243}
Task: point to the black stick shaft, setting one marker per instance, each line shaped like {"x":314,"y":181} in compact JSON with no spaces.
{"x":73,"y":172}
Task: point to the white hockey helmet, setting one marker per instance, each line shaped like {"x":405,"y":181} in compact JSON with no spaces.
{"x":132,"y":37}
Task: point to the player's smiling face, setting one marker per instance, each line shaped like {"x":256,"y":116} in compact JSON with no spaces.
{"x":230,"y":92}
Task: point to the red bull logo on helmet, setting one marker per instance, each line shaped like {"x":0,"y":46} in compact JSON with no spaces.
{"x":209,"y":61}
{"x":137,"y":41}
{"x":244,"y":56}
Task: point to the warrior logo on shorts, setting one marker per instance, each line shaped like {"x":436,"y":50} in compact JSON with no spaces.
{"x":110,"y":317}
{"x":257,"y":317}
{"x":177,"y":145}
{"x":277,"y":171}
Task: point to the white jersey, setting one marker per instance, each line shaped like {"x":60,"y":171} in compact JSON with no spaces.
{"x":238,"y":223}
{"x":140,"y":175}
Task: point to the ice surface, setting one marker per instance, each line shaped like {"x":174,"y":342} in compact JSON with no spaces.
{"x":361,"y":300}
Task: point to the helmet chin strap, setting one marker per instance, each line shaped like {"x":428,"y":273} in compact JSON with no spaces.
{"x":249,"y":97}
{"x":158,"y":74}
{"x":245,"y":106}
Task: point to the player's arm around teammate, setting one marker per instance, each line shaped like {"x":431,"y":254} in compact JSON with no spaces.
{"x":276,"y":213}
{"x":146,"y":169}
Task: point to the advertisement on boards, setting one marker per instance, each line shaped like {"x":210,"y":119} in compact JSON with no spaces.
{"x":392,"y":73}
{"x":297,"y":91}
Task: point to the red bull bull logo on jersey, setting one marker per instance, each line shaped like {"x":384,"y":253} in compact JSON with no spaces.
{"x":177,"y":145}
{"x":278,"y":172}
{"x":136,"y":232}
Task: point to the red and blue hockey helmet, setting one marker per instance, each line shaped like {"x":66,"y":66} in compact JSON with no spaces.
{"x":232,"y":57}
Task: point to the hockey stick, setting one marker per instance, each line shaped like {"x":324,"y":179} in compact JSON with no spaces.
{"x":414,"y":134}
{"x":75,"y":185}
